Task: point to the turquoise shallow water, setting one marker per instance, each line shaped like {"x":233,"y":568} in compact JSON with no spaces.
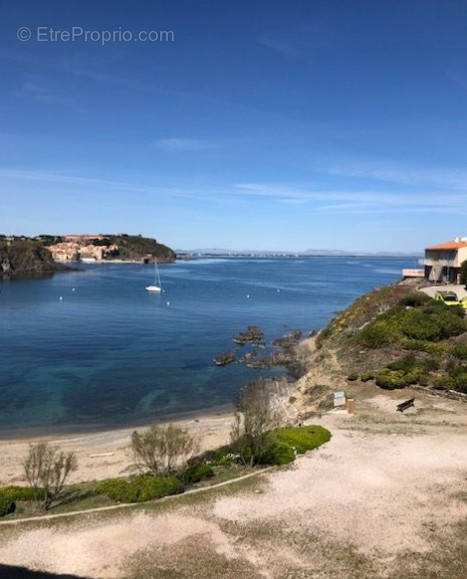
{"x":111,"y":354}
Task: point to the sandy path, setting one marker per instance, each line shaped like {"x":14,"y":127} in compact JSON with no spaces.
{"x":384,"y":495}
{"x":106,"y":454}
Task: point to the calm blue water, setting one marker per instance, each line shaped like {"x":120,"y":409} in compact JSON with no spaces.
{"x":110,"y":354}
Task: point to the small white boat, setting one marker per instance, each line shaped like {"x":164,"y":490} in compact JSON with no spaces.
{"x":156,"y":286}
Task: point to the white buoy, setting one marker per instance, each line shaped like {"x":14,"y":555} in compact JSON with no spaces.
{"x":167,"y":303}
{"x":73,"y":289}
{"x":278,"y":291}
{"x":61,"y":298}
{"x":247,"y":296}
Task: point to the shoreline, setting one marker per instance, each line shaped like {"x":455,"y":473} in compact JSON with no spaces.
{"x":107,"y":454}
{"x":29,"y":433}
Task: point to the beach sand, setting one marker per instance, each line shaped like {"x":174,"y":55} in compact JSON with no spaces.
{"x":106,"y":454}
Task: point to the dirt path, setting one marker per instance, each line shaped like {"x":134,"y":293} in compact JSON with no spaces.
{"x":386,"y":497}
{"x":133,"y":505}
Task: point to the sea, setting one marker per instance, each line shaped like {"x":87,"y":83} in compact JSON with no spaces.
{"x":91,"y":350}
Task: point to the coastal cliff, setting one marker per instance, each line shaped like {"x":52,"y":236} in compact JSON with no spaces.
{"x":46,"y":254}
{"x":23,"y":256}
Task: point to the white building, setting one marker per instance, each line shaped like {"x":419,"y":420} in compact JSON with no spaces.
{"x":443,"y":261}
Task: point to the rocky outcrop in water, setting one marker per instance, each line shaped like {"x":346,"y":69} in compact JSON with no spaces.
{"x":225,"y":358}
{"x":252,"y":335}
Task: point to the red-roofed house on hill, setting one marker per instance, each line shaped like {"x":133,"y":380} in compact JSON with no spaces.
{"x":443,"y":261}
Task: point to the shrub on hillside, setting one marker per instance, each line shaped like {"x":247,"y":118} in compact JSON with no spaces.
{"x":17,"y":493}
{"x":302,"y":438}
{"x":279,"y":453}
{"x":47,"y":468}
{"x":406,"y":363}
{"x":377,"y":334}
{"x":415,"y":299}
{"x":414,"y":327}
{"x":197,"y":472}
{"x":393,"y":379}
{"x":419,"y":326}
{"x":162,"y":448}
{"x":287,"y":442}
{"x":140,"y":488}
{"x":255,"y":417}
{"x":7,"y":506}
{"x":459,"y":351}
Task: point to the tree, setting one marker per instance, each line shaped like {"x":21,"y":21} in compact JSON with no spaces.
{"x":47,"y":469}
{"x":254,"y":418}
{"x":162,"y":449}
{"x":463,"y":276}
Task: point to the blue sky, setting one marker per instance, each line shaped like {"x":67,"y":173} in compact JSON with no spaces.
{"x":262,"y":124}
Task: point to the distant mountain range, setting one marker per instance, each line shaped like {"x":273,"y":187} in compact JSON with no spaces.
{"x":206,"y":252}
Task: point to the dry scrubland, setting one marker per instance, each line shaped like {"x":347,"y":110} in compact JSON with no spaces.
{"x":386,"y":497}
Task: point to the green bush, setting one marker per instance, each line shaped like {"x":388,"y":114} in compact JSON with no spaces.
{"x":414,"y":328}
{"x":450,"y":324}
{"x":460,"y":351}
{"x":302,"y":438}
{"x":9,"y":496}
{"x":140,"y":488}
{"x":286,"y":442}
{"x":352,"y":377}
{"x":367,"y":376}
{"x":419,"y":326}
{"x":377,"y":334}
{"x":457,"y":377}
{"x":17,"y":493}
{"x":279,"y":453}
{"x":415,"y":299}
{"x":406,"y":363}
{"x":393,"y":379}
{"x":441,"y":383}
{"x":197,"y":472}
{"x":7,"y":506}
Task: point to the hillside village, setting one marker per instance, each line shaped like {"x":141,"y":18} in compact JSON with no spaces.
{"x":45,"y":254}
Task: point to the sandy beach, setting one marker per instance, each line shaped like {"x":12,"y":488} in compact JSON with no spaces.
{"x":106,"y":454}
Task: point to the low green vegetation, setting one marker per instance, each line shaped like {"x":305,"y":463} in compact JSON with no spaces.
{"x":430,"y":338}
{"x":402,"y":325}
{"x":140,"y":488}
{"x":137,"y":247}
{"x":164,"y":455}
{"x":347,"y":323}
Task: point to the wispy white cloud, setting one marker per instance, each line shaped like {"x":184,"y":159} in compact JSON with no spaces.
{"x":447,"y":178}
{"x":359,"y":201}
{"x":330,"y":200}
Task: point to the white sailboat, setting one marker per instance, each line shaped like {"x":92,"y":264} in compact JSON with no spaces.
{"x":156,"y":286}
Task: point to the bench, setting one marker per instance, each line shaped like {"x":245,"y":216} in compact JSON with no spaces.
{"x":404,"y":405}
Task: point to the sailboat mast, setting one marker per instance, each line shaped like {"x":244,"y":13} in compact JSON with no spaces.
{"x":157,"y":277}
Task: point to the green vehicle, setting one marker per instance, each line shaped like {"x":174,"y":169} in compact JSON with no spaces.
{"x":448,"y":298}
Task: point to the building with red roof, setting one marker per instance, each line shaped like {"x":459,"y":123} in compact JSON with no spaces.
{"x":443,"y":261}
